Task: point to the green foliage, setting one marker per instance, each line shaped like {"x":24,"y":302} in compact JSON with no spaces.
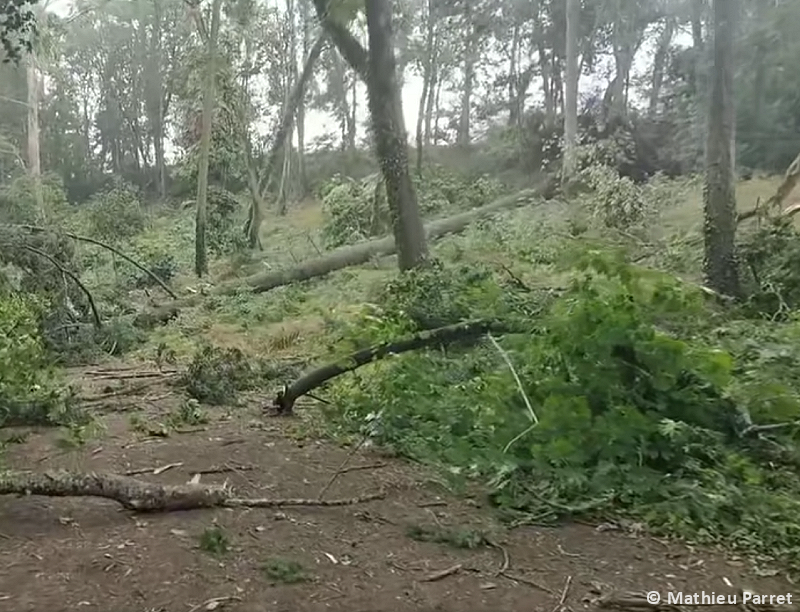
{"x":74,"y":345}
{"x":217,"y":376}
{"x":116,"y":214}
{"x":356,"y":210}
{"x":284,"y":571}
{"x":224,"y":235}
{"x":771,"y":256}
{"x":215,"y":541}
{"x":635,"y":398}
{"x":29,"y":389}
{"x":18,"y":198}
{"x":457,"y":538}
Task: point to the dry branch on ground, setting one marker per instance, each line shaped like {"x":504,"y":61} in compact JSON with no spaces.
{"x":142,"y":496}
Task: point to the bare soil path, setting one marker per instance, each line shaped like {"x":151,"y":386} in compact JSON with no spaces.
{"x":88,"y":554}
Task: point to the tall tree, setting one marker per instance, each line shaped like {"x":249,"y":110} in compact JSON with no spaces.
{"x":571,"y":90}
{"x":719,"y":195}
{"x":386,"y":110}
{"x":377,"y":69}
{"x":200,"y":253}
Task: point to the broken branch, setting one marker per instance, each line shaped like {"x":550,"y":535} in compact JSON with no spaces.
{"x":142,"y":496}
{"x":287,"y":397}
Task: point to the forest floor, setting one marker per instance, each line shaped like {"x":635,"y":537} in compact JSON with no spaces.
{"x":86,"y":553}
{"x":89,"y":554}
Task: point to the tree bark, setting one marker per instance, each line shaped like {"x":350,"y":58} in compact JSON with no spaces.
{"x":571,"y":93}
{"x":200,"y":253}
{"x":350,"y":255}
{"x":386,"y":110}
{"x":426,"y":84}
{"x":659,"y":64}
{"x":719,"y":196}
{"x":33,"y":133}
{"x":142,"y":496}
{"x":285,"y":400}
{"x":463,"y":137}
{"x":433,"y":89}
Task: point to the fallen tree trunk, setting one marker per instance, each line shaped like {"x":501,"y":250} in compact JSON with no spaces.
{"x":284,"y":402}
{"x":344,"y":257}
{"x":143,"y":496}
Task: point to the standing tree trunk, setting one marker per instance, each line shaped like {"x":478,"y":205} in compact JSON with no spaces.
{"x":300,"y":117}
{"x":256,"y":214}
{"x":659,"y":64}
{"x":34,"y":153}
{"x":464,"y":136}
{"x":200,"y":254}
{"x":432,"y":88}
{"x":571,"y":93}
{"x":386,"y":110}
{"x":719,"y":195}
{"x":427,"y":66}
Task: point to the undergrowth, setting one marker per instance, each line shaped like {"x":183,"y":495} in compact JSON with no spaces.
{"x":637,"y":398}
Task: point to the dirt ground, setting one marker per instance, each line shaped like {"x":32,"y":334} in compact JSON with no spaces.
{"x":89,"y":554}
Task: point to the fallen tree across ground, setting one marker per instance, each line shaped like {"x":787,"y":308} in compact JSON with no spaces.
{"x":345,"y":257}
{"x":143,"y":496}
{"x":284,"y":402}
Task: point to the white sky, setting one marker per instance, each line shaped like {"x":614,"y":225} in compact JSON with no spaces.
{"x":319,"y":123}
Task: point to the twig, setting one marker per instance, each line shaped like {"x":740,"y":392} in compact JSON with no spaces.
{"x":527,"y":581}
{"x":129,"y":375}
{"x":153,"y":470}
{"x":224,"y":469}
{"x":564,"y":592}
{"x":98,"y":323}
{"x":213,"y":603}
{"x":117,"y":393}
{"x":506,"y":558}
{"x":751,"y":429}
{"x":150,"y":273}
{"x":442,"y":574}
{"x":531,"y":413}
{"x":281,"y":503}
{"x":340,"y":470}
{"x":355,"y":468}
{"x":565,"y":553}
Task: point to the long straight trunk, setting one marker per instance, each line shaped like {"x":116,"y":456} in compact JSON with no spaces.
{"x":436,"y":111}
{"x":300,"y":118}
{"x":544,"y":65}
{"x":256,"y":215}
{"x":200,"y":253}
{"x":290,"y":78}
{"x":659,"y":64}
{"x":571,"y":92}
{"x":34,"y":152}
{"x":426,"y":84}
{"x":698,"y":74}
{"x":719,"y":196}
{"x":433,"y":91}
{"x":464,"y":133}
{"x":386,"y":110}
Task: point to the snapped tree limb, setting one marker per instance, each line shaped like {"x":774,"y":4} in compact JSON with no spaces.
{"x":284,"y":402}
{"x":143,"y":496}
{"x":108,"y":247}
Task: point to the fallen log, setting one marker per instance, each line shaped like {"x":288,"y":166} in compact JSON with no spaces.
{"x":345,"y":257}
{"x":286,"y":398}
{"x":142,"y":496}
